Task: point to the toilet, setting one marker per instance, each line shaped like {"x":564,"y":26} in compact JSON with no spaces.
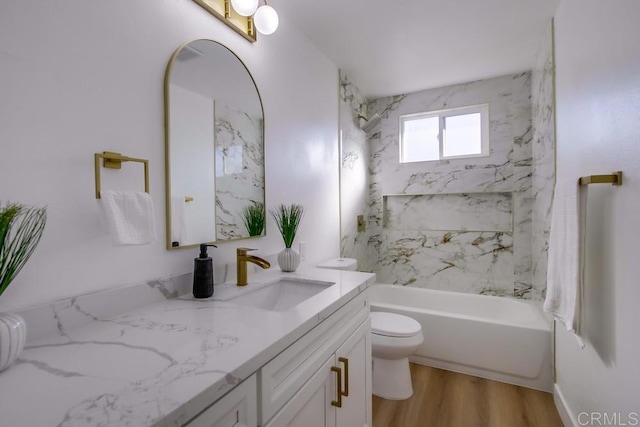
{"x":394,"y":338}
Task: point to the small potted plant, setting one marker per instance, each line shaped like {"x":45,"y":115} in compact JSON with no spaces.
{"x":20,"y":230}
{"x":288,"y":219}
{"x":253,"y":218}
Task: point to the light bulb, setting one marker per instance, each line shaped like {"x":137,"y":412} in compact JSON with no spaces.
{"x":245,"y":7}
{"x":266,"y":19}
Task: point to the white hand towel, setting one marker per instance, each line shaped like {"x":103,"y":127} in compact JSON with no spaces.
{"x":566,"y":256}
{"x":178,"y":222}
{"x":129,"y":217}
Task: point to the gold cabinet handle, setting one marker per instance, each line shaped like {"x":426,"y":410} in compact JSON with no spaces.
{"x":346,"y":376}
{"x":338,"y":371}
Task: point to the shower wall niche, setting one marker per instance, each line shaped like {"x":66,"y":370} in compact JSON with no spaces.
{"x":448,"y":211}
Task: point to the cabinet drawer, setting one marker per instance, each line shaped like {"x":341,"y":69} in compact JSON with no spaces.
{"x":310,"y":407}
{"x":281,"y":378}
{"x":238,"y":408}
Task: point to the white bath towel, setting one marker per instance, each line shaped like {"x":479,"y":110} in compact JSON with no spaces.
{"x":178,"y":222}
{"x":566,"y":256}
{"x":129,"y":217}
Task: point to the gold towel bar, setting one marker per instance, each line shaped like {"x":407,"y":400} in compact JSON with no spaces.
{"x":614,"y":179}
{"x":113,"y":160}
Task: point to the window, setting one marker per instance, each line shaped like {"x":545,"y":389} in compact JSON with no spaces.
{"x":445,"y":134}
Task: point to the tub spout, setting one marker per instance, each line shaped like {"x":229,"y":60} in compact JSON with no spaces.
{"x":243,"y":259}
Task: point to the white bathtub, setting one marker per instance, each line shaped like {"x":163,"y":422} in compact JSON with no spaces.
{"x":497,"y":338}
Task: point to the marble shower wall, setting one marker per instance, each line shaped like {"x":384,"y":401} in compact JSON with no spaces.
{"x":461,"y":224}
{"x":354,"y":176}
{"x":239,"y":168}
{"x":544,"y":167}
{"x":454,"y":211}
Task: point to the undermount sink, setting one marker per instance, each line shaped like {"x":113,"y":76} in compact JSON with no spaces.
{"x":281,"y":295}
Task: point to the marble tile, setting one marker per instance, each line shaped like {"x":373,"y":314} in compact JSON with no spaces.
{"x":453,"y":211}
{"x":521,"y":120}
{"x":352,"y":97}
{"x":544,"y":171}
{"x":239,"y":160}
{"x":374,"y":215}
{"x":416,"y":257}
{"x":522,"y":180}
{"x":448,"y":178}
{"x":518,"y":169}
{"x":385,"y":106}
{"x":522,"y":247}
{"x":476,"y":262}
{"x":354,"y":176}
{"x":522,"y":291}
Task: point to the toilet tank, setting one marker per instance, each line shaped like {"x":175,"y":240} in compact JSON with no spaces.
{"x":350,"y":264}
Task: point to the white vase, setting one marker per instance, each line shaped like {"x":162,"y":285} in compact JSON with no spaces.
{"x":288,"y":260}
{"x":13,"y":332}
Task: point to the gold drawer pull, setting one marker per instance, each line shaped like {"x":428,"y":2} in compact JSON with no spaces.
{"x":338,"y":403}
{"x":346,"y":375}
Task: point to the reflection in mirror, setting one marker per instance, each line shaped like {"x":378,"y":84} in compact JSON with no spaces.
{"x":215,"y":145}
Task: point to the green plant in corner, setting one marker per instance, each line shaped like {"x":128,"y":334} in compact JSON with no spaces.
{"x":288,"y":219}
{"x":253,"y":218}
{"x":20,"y":230}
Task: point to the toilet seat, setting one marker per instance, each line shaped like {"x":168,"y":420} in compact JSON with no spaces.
{"x":393,"y":325}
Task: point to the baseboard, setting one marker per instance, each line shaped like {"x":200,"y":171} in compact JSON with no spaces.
{"x":561,"y":405}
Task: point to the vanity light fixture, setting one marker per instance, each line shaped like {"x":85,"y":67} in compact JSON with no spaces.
{"x":245,"y":7}
{"x":244,"y":16}
{"x":224,"y":11}
{"x":265,"y":17}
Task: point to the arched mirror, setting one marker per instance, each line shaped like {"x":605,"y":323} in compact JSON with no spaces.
{"x":214,"y":147}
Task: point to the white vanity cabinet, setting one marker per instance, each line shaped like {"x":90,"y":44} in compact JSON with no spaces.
{"x":238,"y":408}
{"x":310,"y":406}
{"x":323,"y":379}
{"x":354,"y":356}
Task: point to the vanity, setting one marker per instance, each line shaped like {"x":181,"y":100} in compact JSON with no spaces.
{"x":322,"y":379}
{"x":168,"y":360}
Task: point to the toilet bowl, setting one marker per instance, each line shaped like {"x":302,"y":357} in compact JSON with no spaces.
{"x":394,"y":338}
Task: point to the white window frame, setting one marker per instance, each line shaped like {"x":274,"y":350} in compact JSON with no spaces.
{"x":483,"y":109}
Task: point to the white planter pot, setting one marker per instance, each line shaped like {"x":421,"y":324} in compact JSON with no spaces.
{"x":13,"y":332}
{"x":288,"y":260}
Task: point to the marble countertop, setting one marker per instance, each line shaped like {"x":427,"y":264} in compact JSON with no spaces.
{"x":159,"y":364}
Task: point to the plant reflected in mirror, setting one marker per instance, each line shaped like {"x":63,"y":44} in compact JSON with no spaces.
{"x":253,"y":218}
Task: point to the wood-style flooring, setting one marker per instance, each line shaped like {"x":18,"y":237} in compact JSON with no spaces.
{"x":449,"y":399}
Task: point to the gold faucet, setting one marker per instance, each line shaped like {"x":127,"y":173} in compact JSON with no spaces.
{"x":243,"y":258}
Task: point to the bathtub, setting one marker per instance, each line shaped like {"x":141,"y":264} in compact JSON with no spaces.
{"x":497,"y":338}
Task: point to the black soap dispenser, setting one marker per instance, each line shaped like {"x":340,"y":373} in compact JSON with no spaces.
{"x":203,"y":274}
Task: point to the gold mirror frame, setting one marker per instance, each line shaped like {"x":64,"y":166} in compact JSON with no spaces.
{"x":222,"y":10}
{"x":167,"y":110}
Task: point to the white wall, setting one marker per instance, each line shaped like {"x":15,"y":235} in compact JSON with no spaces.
{"x":79,"y":77}
{"x":192,"y":131}
{"x":598,"y":131}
